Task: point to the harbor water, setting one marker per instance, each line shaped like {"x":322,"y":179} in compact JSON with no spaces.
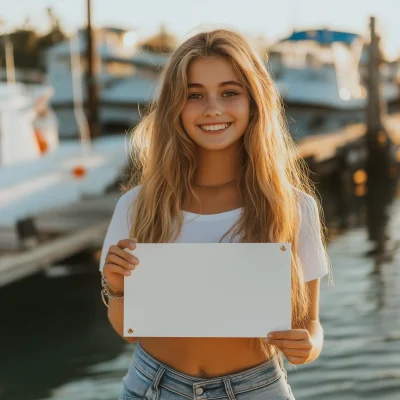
{"x":57,"y":343}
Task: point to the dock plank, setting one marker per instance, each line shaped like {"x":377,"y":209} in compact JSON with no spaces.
{"x":24,"y":263}
{"x":323,"y":147}
{"x":71,"y":229}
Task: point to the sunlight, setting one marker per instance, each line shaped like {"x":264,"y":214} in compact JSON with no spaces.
{"x":130,"y":39}
{"x":344,"y":94}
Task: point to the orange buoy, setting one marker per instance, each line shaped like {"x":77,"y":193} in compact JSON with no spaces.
{"x":41,"y":142}
{"x":79,"y":171}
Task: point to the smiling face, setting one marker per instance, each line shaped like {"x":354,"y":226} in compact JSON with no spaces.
{"x":216,"y":113}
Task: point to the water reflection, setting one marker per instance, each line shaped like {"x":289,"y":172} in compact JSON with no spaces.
{"x":52,"y":330}
{"x":59,"y":344}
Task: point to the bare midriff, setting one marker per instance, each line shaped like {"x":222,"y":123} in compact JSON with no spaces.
{"x":205,"y":357}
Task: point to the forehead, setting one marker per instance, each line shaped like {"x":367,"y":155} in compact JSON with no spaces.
{"x":209,"y":70}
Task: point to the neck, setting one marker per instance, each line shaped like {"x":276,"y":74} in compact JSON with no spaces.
{"x":218,"y":167}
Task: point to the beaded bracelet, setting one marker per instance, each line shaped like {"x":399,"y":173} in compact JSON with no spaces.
{"x":107,"y":292}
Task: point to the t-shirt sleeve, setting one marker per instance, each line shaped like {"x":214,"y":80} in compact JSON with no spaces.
{"x":119,"y":227}
{"x":310,"y":246}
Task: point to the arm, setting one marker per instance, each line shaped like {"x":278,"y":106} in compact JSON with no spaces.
{"x":314,"y":326}
{"x":301,"y":346}
{"x":118,"y":264}
{"x":115,"y":261}
{"x":116,"y":318}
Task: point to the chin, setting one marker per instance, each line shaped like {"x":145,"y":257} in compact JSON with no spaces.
{"x":214,"y":146}
{"x":216,"y":143}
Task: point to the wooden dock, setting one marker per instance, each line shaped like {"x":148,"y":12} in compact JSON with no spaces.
{"x":70,"y":230}
{"x":346,"y":148}
{"x":324,"y":147}
{"x":63,"y":233}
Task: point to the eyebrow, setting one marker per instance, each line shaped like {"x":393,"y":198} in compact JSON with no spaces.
{"x":199,"y":85}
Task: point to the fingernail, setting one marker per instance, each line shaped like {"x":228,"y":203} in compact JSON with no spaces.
{"x":270,"y":335}
{"x":131,"y":266}
{"x":127,"y":272}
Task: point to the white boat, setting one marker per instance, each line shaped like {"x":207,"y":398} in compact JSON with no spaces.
{"x":37,"y":171}
{"x":23,"y":109}
{"x":320,"y":68}
{"x":126,"y":78}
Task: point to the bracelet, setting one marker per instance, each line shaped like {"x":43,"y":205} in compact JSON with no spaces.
{"x":107,"y":292}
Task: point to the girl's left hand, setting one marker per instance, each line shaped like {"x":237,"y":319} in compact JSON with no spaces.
{"x":295,"y":344}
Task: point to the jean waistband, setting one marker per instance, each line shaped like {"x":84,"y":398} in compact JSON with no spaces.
{"x":249,"y":379}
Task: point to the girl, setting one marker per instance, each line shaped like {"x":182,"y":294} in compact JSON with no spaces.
{"x":217,"y":164}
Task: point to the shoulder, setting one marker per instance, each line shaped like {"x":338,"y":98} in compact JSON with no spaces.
{"x":128,"y":199}
{"x":311,"y":248}
{"x":307,"y":204}
{"x":308,"y":215}
{"x":124,"y":207}
{"x":119,"y":227}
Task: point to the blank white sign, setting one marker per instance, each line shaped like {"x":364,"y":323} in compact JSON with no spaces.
{"x":208,"y":290}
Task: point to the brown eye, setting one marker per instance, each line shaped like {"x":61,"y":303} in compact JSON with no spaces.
{"x":231,"y":94}
{"x":193,"y":96}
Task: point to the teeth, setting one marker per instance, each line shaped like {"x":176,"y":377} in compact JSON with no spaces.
{"x":214,"y":127}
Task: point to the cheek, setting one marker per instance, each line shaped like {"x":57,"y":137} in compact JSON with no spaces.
{"x":188,"y":116}
{"x":241,"y":110}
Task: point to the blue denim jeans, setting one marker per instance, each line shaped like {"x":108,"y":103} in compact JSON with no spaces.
{"x":148,"y":379}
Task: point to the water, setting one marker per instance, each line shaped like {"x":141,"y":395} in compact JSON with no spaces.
{"x":57,"y":343}
{"x":361,"y":355}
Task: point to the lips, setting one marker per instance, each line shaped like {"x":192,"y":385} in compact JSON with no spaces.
{"x":215,"y":131}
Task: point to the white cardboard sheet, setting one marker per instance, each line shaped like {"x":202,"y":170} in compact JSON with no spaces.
{"x":208,"y":290}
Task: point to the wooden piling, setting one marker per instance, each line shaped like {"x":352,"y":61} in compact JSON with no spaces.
{"x":378,"y":145}
{"x":91,"y":84}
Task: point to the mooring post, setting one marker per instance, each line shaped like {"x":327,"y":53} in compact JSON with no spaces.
{"x":91,"y":83}
{"x":378,"y":146}
{"x":374,"y":104}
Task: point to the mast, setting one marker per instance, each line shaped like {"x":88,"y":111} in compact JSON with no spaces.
{"x":92,"y":92}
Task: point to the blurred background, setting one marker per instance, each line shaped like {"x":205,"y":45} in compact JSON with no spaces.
{"x":76,"y":76}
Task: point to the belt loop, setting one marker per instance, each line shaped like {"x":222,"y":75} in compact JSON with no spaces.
{"x":157,"y":378}
{"x":229,"y":390}
{"x":285,"y":373}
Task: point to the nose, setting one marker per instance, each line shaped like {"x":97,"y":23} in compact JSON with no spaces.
{"x":212,"y":108}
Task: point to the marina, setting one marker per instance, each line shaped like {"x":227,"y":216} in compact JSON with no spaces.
{"x":63,"y":342}
{"x":58,"y":193}
{"x":81,"y":224}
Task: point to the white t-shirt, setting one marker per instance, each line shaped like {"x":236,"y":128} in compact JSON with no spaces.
{"x":201,"y":228}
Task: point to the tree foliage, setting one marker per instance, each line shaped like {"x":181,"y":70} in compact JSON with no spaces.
{"x":29,"y":45}
{"x":161,"y":43}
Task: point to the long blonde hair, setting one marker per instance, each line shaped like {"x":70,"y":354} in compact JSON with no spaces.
{"x":166,"y":163}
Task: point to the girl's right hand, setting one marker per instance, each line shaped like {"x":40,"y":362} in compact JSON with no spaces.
{"x":119,"y":263}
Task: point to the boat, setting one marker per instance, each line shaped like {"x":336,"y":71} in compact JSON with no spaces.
{"x":317,"y":73}
{"x":51,"y":190}
{"x":126,"y":79}
{"x":322,"y":68}
{"x":38,"y":171}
